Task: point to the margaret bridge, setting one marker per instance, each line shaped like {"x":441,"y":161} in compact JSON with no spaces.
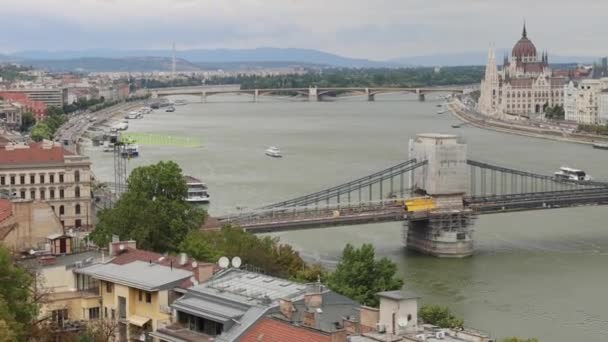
{"x":312,"y":93}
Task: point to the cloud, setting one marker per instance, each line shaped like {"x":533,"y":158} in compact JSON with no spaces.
{"x":373,"y":29}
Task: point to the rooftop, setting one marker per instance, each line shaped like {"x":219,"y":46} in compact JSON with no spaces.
{"x":37,"y":153}
{"x":271,"y":330}
{"x":398,"y":295}
{"x":6,"y":209}
{"x":138,"y":274}
{"x":249,"y":287}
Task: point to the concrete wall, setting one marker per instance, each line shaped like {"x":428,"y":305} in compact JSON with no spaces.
{"x":35,"y":221}
{"x":446,"y":172}
{"x":401,"y":309}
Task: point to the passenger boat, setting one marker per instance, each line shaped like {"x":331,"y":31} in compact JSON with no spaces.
{"x":273,"y":151}
{"x":197,"y":190}
{"x":601,"y":146}
{"x":567,"y":173}
{"x":442,"y":111}
{"x":181,"y":102}
{"x":130,"y":151}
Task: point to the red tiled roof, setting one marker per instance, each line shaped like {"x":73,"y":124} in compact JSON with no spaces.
{"x":6,"y":209}
{"x":35,"y":154}
{"x":272,"y":330}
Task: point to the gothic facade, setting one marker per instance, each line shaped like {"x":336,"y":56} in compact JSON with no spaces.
{"x":524,"y":86}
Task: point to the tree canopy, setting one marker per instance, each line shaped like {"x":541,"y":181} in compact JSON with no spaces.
{"x":519,"y":339}
{"x":45,"y":129}
{"x":265,"y":253}
{"x":440,"y":316}
{"x":360,"y":276}
{"x":17,"y":310}
{"x":153,"y":211}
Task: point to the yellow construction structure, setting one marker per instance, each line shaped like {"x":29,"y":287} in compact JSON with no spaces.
{"x":419,"y":204}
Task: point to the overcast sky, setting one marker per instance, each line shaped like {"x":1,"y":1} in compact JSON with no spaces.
{"x":376,"y":29}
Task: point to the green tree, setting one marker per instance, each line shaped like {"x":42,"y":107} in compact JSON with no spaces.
{"x":153,"y":211}
{"x":41,"y":131}
{"x":519,"y":339}
{"x":17,"y":309}
{"x":265,"y":253}
{"x":27,"y":120}
{"x":440,"y":316}
{"x":359,"y":276}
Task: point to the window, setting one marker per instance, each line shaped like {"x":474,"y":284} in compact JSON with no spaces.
{"x":122,"y":307}
{"x":22,"y":179}
{"x":109,"y":287}
{"x":32,"y":179}
{"x":77,"y":209}
{"x":61,"y":193}
{"x":59,"y":316}
{"x":42,"y":179}
{"x":2,"y":180}
{"x":94,"y":313}
{"x":52,"y":193}
{"x":61,"y":178}
{"x":105,"y":312}
{"x":76,"y":176}
{"x":113,"y":314}
{"x":78,"y":223}
{"x":33,"y":194}
{"x":77,"y":192}
{"x":140,"y":294}
{"x":12,"y":180}
{"x":22,"y":194}
{"x":148,"y":297}
{"x":42,"y":194}
{"x":52,"y":178}
{"x":61,"y":210}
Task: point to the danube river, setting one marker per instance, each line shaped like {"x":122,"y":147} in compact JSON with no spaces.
{"x":538,"y":274}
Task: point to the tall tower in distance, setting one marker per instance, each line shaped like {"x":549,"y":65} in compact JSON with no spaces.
{"x":173,"y":63}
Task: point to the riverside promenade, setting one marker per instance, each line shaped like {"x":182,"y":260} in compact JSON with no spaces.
{"x":536,"y":129}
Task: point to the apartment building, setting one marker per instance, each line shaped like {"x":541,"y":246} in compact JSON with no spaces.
{"x":52,"y":97}
{"x":46,"y":172}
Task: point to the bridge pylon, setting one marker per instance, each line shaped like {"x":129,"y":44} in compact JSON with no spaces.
{"x":313,"y":94}
{"x":444,"y":231}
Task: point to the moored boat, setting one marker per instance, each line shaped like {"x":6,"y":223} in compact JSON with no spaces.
{"x":197,"y":190}
{"x":600,"y":146}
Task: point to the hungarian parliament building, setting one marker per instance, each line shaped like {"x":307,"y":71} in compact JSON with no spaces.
{"x":525,"y":85}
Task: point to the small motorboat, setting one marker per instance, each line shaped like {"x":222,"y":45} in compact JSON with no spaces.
{"x":273,"y":151}
{"x":600,"y":146}
{"x":170,"y":109}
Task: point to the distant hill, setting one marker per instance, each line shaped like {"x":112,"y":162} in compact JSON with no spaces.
{"x":303,"y":56}
{"x":479,"y":58}
{"x":96,"y":64}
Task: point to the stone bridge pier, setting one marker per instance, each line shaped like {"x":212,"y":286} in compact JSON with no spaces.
{"x":313,"y":94}
{"x":446,"y":230}
{"x":420,"y":94}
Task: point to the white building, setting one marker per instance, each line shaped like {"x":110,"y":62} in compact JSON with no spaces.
{"x":570,"y":93}
{"x":603,"y":107}
{"x":587,"y":102}
{"x":524,"y":86}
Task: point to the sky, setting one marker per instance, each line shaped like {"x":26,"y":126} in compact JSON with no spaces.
{"x":374,"y":29}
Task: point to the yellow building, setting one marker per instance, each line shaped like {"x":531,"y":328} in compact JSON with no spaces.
{"x":46,"y":172}
{"x":137,"y":294}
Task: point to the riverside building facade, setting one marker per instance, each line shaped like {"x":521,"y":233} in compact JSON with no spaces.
{"x":524,"y":86}
{"x":48,"y":173}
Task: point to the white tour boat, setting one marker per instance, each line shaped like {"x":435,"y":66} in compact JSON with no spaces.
{"x":273,"y":151}
{"x":568,"y":173}
{"x":197,"y":190}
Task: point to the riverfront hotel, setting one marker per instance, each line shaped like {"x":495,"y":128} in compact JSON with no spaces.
{"x":46,"y":172}
{"x":524,"y":86}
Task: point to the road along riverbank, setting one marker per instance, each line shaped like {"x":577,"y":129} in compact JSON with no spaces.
{"x":474,"y":119}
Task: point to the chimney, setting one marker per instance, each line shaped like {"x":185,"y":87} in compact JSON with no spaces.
{"x":204,"y":272}
{"x":368,"y":318}
{"x":313,"y":300}
{"x":286,"y":307}
{"x":183,"y":259}
{"x":309,"y":319}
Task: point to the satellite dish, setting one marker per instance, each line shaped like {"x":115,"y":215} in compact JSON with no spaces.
{"x":223,"y":262}
{"x":194,"y":264}
{"x":402,"y":322}
{"x":236,"y":262}
{"x":121,"y":247}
